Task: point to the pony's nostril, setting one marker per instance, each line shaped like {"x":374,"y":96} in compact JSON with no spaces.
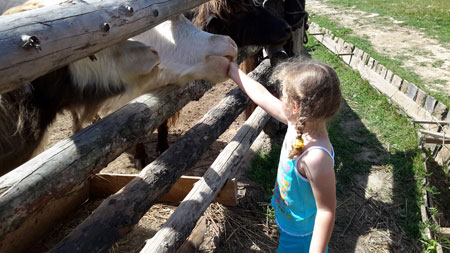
{"x":231,"y":57}
{"x":154,"y":51}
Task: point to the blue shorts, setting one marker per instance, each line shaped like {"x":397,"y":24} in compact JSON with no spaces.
{"x":289,"y":243}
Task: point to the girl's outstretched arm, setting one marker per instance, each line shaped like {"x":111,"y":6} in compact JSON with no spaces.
{"x":257,"y":93}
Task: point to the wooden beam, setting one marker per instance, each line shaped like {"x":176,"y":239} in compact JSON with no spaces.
{"x":73,"y":30}
{"x":39,"y":223}
{"x":121,"y":211}
{"x":437,"y":122}
{"x":297,"y":39}
{"x":192,"y":244}
{"x":434,"y":134}
{"x":30,"y":187}
{"x":445,"y":232}
{"x":183,"y":220}
{"x":106,"y":184}
{"x":436,"y":141}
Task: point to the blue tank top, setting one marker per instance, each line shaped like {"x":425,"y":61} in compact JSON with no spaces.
{"x":293,"y":199}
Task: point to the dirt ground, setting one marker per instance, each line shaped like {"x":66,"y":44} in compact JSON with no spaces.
{"x":365,"y":221}
{"x":229,"y":229}
{"x":429,"y":59}
{"x":412,"y":47}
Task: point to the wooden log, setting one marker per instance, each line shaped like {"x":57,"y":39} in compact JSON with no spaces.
{"x":183,"y":220}
{"x":73,"y":30}
{"x":435,"y":134}
{"x":436,"y":141}
{"x":120,"y":212}
{"x":445,"y":232}
{"x":437,"y":122}
{"x":39,"y":223}
{"x":105,"y":184}
{"x":297,"y":39}
{"x":46,"y":178}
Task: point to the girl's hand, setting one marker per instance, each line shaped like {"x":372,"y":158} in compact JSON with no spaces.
{"x":233,"y":71}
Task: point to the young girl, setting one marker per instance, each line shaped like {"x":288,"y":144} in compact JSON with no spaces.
{"x":305,"y":192}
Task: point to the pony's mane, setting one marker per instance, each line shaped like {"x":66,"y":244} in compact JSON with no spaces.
{"x":224,"y":9}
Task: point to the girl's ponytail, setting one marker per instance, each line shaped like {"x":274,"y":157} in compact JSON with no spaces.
{"x":297,"y":144}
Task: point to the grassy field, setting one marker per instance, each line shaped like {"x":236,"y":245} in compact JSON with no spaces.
{"x":379,"y":128}
{"x":432,"y":16}
{"x":393,"y":64}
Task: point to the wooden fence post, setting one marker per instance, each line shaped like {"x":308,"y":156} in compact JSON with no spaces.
{"x":38,"y":41}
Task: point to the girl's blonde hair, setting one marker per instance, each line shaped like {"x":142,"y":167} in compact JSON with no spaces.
{"x":314,"y":86}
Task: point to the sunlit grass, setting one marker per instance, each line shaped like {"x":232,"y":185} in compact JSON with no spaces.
{"x":431,"y":16}
{"x":393,"y":64}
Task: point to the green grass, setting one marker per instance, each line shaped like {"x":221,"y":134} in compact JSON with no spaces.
{"x":380,"y":124}
{"x":376,"y":124}
{"x":392,"y":64}
{"x":264,"y":171}
{"x":431,"y":16}
{"x":438,"y":64}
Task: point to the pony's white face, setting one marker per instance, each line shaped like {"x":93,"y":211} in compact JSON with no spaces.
{"x":174,"y":52}
{"x":188,"y":53}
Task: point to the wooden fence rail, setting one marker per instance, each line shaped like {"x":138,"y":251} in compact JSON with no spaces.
{"x":180,"y":224}
{"x":120,"y":212}
{"x":29,"y":192}
{"x":71,"y":31}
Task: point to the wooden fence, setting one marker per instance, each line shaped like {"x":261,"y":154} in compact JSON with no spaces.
{"x":38,"y":41}
{"x":38,"y":194}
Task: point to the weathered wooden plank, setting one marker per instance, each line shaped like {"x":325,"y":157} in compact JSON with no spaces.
{"x":73,"y":30}
{"x":195,"y":239}
{"x":183,"y":220}
{"x":434,"y":134}
{"x":47,"y":177}
{"x":120,"y":212}
{"x":436,"y":141}
{"x":228,"y":194}
{"x":39,"y":223}
{"x":437,"y":122}
{"x":185,"y":184}
{"x":105,"y":184}
{"x":297,"y":39}
{"x":445,"y":232}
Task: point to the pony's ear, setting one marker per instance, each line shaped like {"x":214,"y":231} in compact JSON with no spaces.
{"x":137,"y":58}
{"x":214,"y":24}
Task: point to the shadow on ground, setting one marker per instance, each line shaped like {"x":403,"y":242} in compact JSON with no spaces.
{"x":374,"y":213}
